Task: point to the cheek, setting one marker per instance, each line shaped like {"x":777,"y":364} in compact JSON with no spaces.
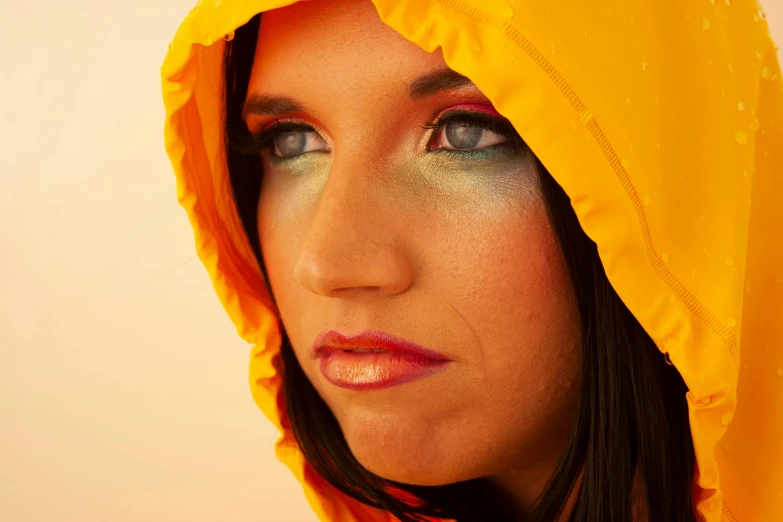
{"x":534,"y":310}
{"x":281,"y":229}
{"x":505,"y":274}
{"x":523,"y":281}
{"x":513,"y":294}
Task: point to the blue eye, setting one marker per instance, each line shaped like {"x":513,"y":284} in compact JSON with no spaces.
{"x":294,"y":143}
{"x":469,"y":132}
{"x":290,"y":143}
{"x":288,"y":140}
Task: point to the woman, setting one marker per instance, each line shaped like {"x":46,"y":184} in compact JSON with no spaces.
{"x":441,"y":329}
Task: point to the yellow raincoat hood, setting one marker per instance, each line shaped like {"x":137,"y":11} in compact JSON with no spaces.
{"x":663,"y":122}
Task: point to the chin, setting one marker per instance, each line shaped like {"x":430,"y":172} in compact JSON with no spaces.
{"x":407,"y":471}
{"x":407,"y":457}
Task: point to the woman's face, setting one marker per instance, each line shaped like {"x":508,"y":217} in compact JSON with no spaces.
{"x":371,"y":219}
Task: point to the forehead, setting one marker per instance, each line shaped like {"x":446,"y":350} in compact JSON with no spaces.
{"x":335,"y":45}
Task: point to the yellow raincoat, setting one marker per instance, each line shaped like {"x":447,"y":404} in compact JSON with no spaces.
{"x":662,"y":120}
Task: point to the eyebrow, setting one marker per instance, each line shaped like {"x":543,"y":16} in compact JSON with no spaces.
{"x":435,"y":82}
{"x":266,"y":105}
{"x":421,"y":87}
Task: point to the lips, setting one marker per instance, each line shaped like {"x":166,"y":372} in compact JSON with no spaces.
{"x":373,"y":360}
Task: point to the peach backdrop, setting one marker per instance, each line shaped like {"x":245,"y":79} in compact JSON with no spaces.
{"x":123,"y":386}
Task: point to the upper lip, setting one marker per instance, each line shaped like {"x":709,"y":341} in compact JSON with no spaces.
{"x":332,"y":340}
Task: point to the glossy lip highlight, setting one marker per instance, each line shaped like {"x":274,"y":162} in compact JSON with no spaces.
{"x":398,"y":360}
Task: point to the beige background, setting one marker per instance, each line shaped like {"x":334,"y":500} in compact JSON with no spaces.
{"x":123,"y":386}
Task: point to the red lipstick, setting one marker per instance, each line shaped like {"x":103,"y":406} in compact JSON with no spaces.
{"x":371,"y":360}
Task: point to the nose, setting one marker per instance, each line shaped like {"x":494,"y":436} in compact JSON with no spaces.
{"x":353,"y":245}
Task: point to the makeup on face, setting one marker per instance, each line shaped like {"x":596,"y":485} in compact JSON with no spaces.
{"x":373,"y":360}
{"x":412,"y":206}
{"x":291,"y":122}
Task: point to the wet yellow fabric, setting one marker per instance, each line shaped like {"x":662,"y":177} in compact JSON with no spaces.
{"x":663,"y":121}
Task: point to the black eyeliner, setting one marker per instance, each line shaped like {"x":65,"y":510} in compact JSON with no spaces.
{"x":492,"y":123}
{"x":498,"y":125}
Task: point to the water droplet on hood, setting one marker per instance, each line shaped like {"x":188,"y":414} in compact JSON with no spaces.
{"x":646,"y":199}
{"x":780,"y":371}
{"x":741,"y":137}
{"x":207,"y":40}
{"x":740,"y":106}
{"x":625,"y":163}
{"x":644,"y":65}
{"x":706,"y":24}
{"x":665,"y":257}
{"x":229,"y":36}
{"x":731,"y":322}
{"x":725,"y":419}
{"x":766,"y":73}
{"x":508,"y":12}
{"x":729,"y":261}
{"x":672,"y":299}
{"x":476,"y":47}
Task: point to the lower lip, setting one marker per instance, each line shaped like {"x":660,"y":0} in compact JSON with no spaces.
{"x":375,"y":370}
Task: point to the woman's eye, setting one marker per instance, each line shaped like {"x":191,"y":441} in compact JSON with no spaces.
{"x":462,"y":134}
{"x":294,"y":142}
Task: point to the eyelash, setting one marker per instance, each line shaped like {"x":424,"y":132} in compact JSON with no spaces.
{"x":499,"y":126}
{"x":264,"y":139}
